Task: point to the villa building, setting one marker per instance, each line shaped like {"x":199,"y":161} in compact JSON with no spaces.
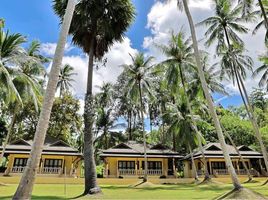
{"x":58,"y":158}
{"x":127,"y":160}
{"x":216,"y":164}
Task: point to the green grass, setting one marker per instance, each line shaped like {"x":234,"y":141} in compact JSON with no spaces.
{"x":180,"y":191}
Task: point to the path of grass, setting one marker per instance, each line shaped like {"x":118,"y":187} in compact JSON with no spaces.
{"x":181,"y":191}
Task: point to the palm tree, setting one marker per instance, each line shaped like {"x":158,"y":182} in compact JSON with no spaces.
{"x":139,"y":75}
{"x":180,"y":59}
{"x":233,"y":61}
{"x":182,"y":124}
{"x":263,"y":68}
{"x":236,"y":183}
{"x":96,"y":25}
{"x":11,"y":54}
{"x":25,"y":186}
{"x":262,"y":13}
{"x":65,"y":79}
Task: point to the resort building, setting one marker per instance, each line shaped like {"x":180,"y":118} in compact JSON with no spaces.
{"x":58,"y":158}
{"x":127,"y":160}
{"x":216,"y":164}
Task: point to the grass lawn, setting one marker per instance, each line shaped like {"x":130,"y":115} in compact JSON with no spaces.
{"x":179,"y":191}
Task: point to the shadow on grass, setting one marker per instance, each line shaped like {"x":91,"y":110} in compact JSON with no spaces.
{"x":36,"y":197}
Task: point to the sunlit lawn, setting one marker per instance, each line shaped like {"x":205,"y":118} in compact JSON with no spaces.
{"x":180,"y":191}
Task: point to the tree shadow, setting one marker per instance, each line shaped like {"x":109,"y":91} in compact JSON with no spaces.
{"x":36,"y":197}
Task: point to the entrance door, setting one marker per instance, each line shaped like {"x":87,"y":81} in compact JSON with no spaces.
{"x":170,"y":167}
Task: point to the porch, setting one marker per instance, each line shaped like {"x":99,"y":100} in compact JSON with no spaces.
{"x":16,"y":170}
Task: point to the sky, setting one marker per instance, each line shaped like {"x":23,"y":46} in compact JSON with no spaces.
{"x":153,"y":24}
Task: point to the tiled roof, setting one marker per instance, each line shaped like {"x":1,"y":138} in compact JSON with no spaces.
{"x":214,"y":150}
{"x":51,"y":146}
{"x":136,"y":149}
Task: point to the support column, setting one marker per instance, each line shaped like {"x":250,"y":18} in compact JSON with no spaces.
{"x":211,"y":170}
{"x":238,"y":168}
{"x":174,"y":168}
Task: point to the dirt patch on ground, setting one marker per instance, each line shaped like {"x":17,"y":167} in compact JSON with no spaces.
{"x":242,"y":193}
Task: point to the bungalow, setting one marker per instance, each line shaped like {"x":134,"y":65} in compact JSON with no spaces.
{"x":127,"y":160}
{"x":58,"y":158}
{"x":216,"y":164}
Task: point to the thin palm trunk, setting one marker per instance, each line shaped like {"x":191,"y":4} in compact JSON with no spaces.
{"x":9,"y":133}
{"x":240,"y":156}
{"x":145,"y":177}
{"x":249,"y":109}
{"x":263,"y":13}
{"x":215,"y":118}
{"x":25,"y":186}
{"x":193,"y":164}
{"x":194,"y":125}
{"x":91,"y":186}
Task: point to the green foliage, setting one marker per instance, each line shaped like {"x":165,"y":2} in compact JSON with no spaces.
{"x":241,"y":131}
{"x":65,"y":121}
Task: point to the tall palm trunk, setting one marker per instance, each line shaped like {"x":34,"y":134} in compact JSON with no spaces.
{"x":25,"y":187}
{"x":145,"y":177}
{"x":263,"y":13}
{"x":249,"y":109}
{"x":9,"y":133}
{"x":194,"y":125}
{"x":201,"y":74}
{"x":193,"y":164}
{"x":240,"y":156}
{"x":91,"y":186}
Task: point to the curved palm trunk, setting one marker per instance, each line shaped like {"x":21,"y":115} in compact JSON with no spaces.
{"x":249,"y":109}
{"x":193,"y":164}
{"x":227,"y":158}
{"x":263,"y":13}
{"x":145,"y":177}
{"x":25,"y":186}
{"x":195,"y":126}
{"x":254,"y":123}
{"x":9,"y":133}
{"x":91,"y":186}
{"x":240,"y":156}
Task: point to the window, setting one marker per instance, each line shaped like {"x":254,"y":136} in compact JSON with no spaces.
{"x":20,"y":162}
{"x":218,"y":165}
{"x":153,"y":165}
{"x":126,"y":164}
{"x":53,"y":163}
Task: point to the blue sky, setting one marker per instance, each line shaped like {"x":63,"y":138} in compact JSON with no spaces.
{"x":36,"y":20}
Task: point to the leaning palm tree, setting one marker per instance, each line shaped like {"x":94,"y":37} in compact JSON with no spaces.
{"x":262,"y":13}
{"x":26,"y":184}
{"x":225,"y":27}
{"x":180,"y":58}
{"x":236,"y":183}
{"x":263,"y":68}
{"x":95,"y":27}
{"x":65,"y":79}
{"x":139,"y":75}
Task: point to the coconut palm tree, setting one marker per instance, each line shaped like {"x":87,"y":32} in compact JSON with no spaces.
{"x":262,"y":13}
{"x":65,"y":79}
{"x":263,"y":68}
{"x":236,"y":183}
{"x":140,"y":75}
{"x":11,"y":54}
{"x":25,"y":186}
{"x":182,"y":124}
{"x":233,"y":63}
{"x":180,"y":58}
{"x":96,"y":25}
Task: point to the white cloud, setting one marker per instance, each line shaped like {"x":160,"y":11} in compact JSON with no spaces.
{"x":49,"y":48}
{"x":165,"y":17}
{"x":118,"y":55}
